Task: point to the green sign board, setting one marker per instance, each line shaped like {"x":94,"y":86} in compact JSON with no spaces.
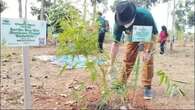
{"x":142,"y":33}
{"x":18,"y":32}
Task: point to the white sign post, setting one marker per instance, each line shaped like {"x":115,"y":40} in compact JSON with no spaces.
{"x":27,"y":84}
{"x":24,"y":33}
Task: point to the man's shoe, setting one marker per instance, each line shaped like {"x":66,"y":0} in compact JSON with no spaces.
{"x":148,"y":93}
{"x":101,"y":51}
{"x":161,"y":53}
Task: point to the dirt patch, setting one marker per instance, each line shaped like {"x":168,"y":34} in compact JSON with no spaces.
{"x":51,"y":90}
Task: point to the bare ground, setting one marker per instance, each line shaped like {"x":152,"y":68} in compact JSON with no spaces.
{"x":50,"y":90}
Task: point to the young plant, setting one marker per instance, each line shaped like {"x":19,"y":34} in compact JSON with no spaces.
{"x":79,"y":38}
{"x":105,"y":98}
{"x":77,"y":94}
{"x":135,"y":73}
{"x":171,"y":87}
{"x":121,"y":90}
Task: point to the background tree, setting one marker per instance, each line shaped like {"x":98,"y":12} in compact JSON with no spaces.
{"x":95,"y":3}
{"x":189,"y":6}
{"x":2,"y":6}
{"x":59,"y":12}
{"x":184,"y":18}
{"x":84,"y":10}
{"x":191,"y":18}
{"x":20,"y":8}
{"x":142,"y":3}
{"x":43,"y":10}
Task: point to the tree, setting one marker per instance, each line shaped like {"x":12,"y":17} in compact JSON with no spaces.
{"x":142,"y":3}
{"x":173,"y":27}
{"x":84,"y":10}
{"x":94,"y":4}
{"x":59,"y":12}
{"x":20,"y":8}
{"x":191,"y":18}
{"x":2,"y":6}
{"x":184,"y":14}
{"x":180,"y":16}
{"x":43,"y":10}
{"x":189,"y":4}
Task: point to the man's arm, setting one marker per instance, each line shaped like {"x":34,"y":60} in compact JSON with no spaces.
{"x":117,"y":33}
{"x":150,"y":47}
{"x":114,"y":51}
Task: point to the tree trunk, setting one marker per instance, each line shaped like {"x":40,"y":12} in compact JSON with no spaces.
{"x":20,"y":8}
{"x":26,"y":9}
{"x":94,"y":10}
{"x":168,"y":5}
{"x":173,"y":28}
{"x":84,"y":10}
{"x":42,"y":10}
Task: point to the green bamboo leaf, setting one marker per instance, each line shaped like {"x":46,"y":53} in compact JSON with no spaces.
{"x":166,"y":79}
{"x":75,"y":65}
{"x":162,"y":76}
{"x":136,"y":69}
{"x":63,"y":69}
{"x":167,"y":89}
{"x":90,"y":66}
{"x":173,"y":90}
{"x":181,"y":92}
{"x":168,"y":92}
{"x":180,"y":81}
{"x":160,"y":72}
{"x":82,"y":86}
{"x":93,"y":76}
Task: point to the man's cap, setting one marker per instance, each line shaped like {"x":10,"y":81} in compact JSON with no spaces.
{"x":125,"y":12}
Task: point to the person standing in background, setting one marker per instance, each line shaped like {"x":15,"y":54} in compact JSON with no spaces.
{"x":163,"y":38}
{"x":103,"y":28}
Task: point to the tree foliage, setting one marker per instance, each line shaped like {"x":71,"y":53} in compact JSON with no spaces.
{"x":95,"y":3}
{"x":2,"y":6}
{"x":184,"y":14}
{"x":59,"y":12}
{"x":98,"y":1}
{"x":189,"y":4}
{"x":191,"y":18}
{"x":36,"y":11}
{"x":77,"y":37}
{"x":141,"y":3}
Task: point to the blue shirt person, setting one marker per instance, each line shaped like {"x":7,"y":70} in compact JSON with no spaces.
{"x":103,"y":28}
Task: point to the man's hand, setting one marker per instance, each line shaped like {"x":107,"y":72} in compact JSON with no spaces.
{"x":111,"y":74}
{"x":113,"y":52}
{"x":150,"y":49}
{"x":147,"y":55}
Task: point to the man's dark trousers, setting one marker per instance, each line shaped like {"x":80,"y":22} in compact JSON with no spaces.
{"x":101,"y":40}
